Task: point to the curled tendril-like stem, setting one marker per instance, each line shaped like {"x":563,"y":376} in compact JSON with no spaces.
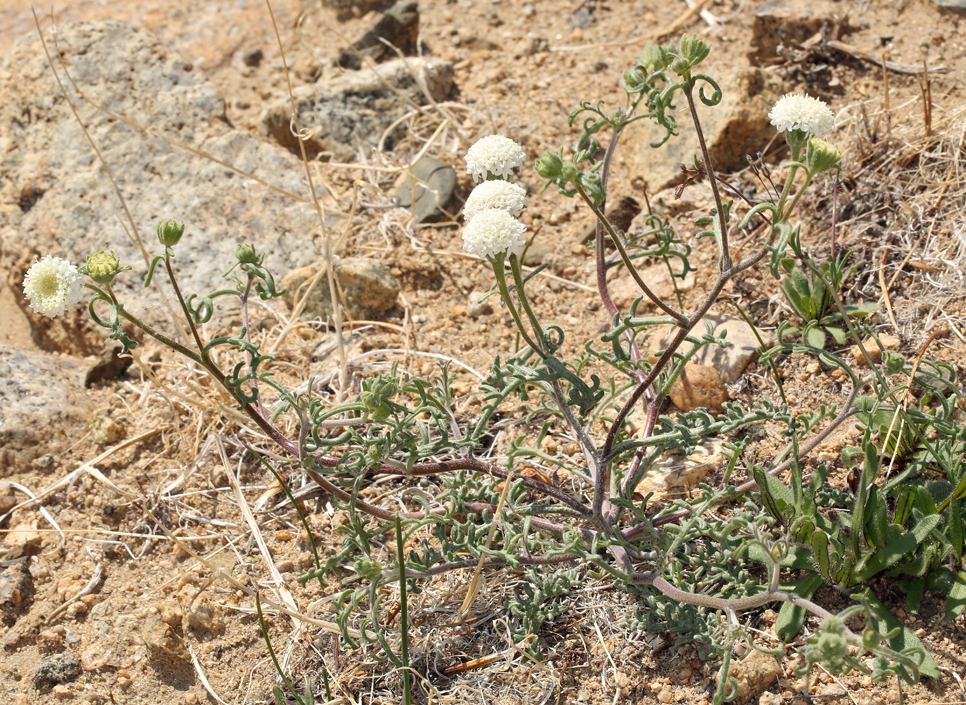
{"x":715,"y":96}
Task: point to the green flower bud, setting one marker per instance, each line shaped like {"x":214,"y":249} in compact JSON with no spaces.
{"x":548,"y":165}
{"x":169,"y":232}
{"x":871,"y":639}
{"x":680,"y":66}
{"x":832,"y":648}
{"x":367,"y":568}
{"x":568,"y":173}
{"x":102,"y":267}
{"x":246,"y":254}
{"x":821,"y":155}
{"x":892,"y":362}
{"x":654,"y":57}
{"x":633,"y":81}
{"x":693,"y":50}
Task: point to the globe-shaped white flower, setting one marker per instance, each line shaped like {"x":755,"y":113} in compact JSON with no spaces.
{"x":494,"y":231}
{"x":495,"y":194}
{"x":496,"y":155}
{"x":52,"y":285}
{"x":800,"y":112}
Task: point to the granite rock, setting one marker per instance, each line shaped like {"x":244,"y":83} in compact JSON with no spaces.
{"x":42,"y":404}
{"x":735,"y":127}
{"x":399,"y":27}
{"x":352,"y":112}
{"x":368,"y":289}
{"x":72,"y":208}
{"x":57,"y":669}
{"x":435,"y":182}
{"x":731,"y":360}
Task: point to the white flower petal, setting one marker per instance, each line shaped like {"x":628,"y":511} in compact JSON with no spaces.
{"x":493,"y":231}
{"x":496,"y":154}
{"x":495,"y":194}
{"x":804,"y":113}
{"x":52,"y":285}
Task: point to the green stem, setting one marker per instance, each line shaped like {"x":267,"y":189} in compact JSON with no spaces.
{"x":524,"y":301}
{"x":184,"y":307}
{"x":160,"y":337}
{"x":677,"y":315}
{"x":500,"y":274}
{"x":796,"y":153}
{"x":791,"y":208}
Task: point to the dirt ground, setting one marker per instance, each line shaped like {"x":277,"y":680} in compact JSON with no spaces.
{"x":170,"y":460}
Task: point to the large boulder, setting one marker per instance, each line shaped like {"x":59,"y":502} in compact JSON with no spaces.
{"x":737,"y":126}
{"x":55,"y":197}
{"x":42,"y":406}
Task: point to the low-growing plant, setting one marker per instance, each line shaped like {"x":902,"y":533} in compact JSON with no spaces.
{"x":687,"y":566}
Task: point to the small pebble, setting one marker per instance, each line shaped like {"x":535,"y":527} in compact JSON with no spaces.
{"x":285,"y":535}
{"x":665,"y":696}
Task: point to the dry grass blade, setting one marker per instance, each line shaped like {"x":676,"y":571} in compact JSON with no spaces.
{"x":283,"y":591}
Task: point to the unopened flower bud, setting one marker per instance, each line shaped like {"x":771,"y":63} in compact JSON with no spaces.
{"x":654,"y":57}
{"x":245,"y":253}
{"x":549,"y":165}
{"x":892,"y":362}
{"x":102,"y":267}
{"x":821,"y":156}
{"x":568,"y":173}
{"x":680,"y":65}
{"x":693,"y":50}
{"x":169,"y":232}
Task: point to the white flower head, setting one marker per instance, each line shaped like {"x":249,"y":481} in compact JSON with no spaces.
{"x":495,"y":194}
{"x":802,"y":113}
{"x":52,"y":286}
{"x":494,"y":231}
{"x":496,"y":155}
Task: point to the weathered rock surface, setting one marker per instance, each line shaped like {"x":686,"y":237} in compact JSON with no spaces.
{"x":730,"y":361}
{"x":54,"y":670}
{"x":623,"y":290}
{"x":72,"y":209}
{"x":355,"y":8}
{"x":399,"y":26}
{"x":111,"y":639}
{"x":699,"y":387}
{"x":16,"y":590}
{"x":783,"y":24}
{"x":368,"y":289}
{"x":435,"y":182}
{"x":620,"y":211}
{"x":161,"y":639}
{"x":737,"y":126}
{"x":353,"y":111}
{"x":674,"y":473}
{"x":42,"y":404}
{"x":754,"y":674}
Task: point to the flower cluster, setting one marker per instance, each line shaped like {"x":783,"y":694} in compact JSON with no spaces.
{"x":503,"y":195}
{"x":52,"y":285}
{"x":492,"y":232}
{"x":802,"y":113}
{"x":493,"y":157}
{"x":493,"y":207}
